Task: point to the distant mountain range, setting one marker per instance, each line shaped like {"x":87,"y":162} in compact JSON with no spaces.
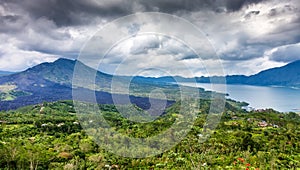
{"x":5,"y":73}
{"x":288,"y":75}
{"x":53,"y":81}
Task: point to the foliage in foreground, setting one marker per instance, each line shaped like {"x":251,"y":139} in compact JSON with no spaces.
{"x":49,"y":136}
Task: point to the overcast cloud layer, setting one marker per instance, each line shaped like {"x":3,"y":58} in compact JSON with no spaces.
{"x":248,"y":35}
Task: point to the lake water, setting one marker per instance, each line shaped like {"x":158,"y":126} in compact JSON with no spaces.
{"x":282,"y":99}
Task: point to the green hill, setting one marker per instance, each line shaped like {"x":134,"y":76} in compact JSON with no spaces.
{"x":50,"y":136}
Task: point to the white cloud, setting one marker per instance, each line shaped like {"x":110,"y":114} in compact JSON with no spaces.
{"x":167,"y":55}
{"x":286,"y":53}
{"x":248,"y":37}
{"x":14,"y":59}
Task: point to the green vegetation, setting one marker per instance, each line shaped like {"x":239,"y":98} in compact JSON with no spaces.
{"x":12,"y":95}
{"x":50,"y":136}
{"x":8,"y":92}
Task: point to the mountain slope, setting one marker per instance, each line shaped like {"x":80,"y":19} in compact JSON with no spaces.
{"x":58,"y":73}
{"x":288,"y":75}
{"x":53,"y":81}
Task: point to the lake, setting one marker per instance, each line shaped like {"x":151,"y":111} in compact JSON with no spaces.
{"x":282,"y":99}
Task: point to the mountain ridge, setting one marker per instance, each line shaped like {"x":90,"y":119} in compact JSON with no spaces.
{"x":52,"y":81}
{"x":61,"y":72}
{"x":287,"y":75}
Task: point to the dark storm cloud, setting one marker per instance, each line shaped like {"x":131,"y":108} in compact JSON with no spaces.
{"x":235,"y":5}
{"x":188,"y":57}
{"x":171,"y":6}
{"x":10,"y":23}
{"x":9,"y":18}
{"x":280,"y":11}
{"x":287,"y":33}
{"x":59,"y":28}
{"x":273,"y":12}
{"x":69,"y":12}
{"x":251,"y":13}
{"x":78,"y":12}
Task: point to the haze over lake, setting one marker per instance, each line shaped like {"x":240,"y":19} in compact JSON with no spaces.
{"x":282,"y":99}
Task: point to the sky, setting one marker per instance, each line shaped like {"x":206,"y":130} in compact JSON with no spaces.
{"x":248,"y":36}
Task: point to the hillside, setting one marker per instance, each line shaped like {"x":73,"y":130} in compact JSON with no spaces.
{"x":288,"y":75}
{"x":53,"y":82}
{"x":46,"y":74}
{"x":54,"y":138}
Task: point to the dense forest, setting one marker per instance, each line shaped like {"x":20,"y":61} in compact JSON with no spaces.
{"x":50,"y":136}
